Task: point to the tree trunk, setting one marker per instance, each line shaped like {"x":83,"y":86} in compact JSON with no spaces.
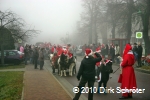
{"x":90,"y":29}
{"x":104,"y":33}
{"x":113,"y":30}
{"x":129,"y":25}
{"x":145,"y":20}
{"x":2,"y":55}
{"x":129,"y":19}
{"x":95,"y":31}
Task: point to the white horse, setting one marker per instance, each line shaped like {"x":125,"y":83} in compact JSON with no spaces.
{"x":50,"y":57}
{"x":72,"y":66}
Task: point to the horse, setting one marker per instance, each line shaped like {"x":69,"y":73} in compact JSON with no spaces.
{"x":63,"y":63}
{"x":103,"y":73}
{"x":70,"y":64}
{"x":50,"y":57}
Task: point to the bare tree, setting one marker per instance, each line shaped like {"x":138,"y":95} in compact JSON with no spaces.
{"x":89,"y":18}
{"x":14,"y":25}
{"x":144,"y":8}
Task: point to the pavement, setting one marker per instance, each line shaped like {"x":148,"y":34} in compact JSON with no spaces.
{"x":41,"y":85}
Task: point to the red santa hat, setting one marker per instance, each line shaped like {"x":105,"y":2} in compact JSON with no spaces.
{"x":88,"y":52}
{"x":70,"y":55}
{"x":64,"y":51}
{"x":98,"y":49}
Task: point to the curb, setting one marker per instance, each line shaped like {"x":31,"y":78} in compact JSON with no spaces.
{"x":138,"y":69}
{"x":142,"y":70}
{"x":22,"y":97}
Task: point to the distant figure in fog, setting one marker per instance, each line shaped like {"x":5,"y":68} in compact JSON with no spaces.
{"x":112,"y":52}
{"x":21,"y":49}
{"x":35,"y":56}
{"x":41,"y":58}
{"x":140,"y":50}
{"x":26,"y":54}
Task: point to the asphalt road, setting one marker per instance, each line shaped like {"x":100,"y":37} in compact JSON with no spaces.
{"x":142,"y":79}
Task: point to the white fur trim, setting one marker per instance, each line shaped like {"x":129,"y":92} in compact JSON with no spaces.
{"x":98,"y":51}
{"x":130,"y":52}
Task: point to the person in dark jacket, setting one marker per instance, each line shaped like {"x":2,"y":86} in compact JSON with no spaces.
{"x":41,"y":58}
{"x":112,"y":52}
{"x":26,"y":54}
{"x":35,"y":57}
{"x":87,"y":71}
{"x":135,"y":52}
{"x":140,"y":50}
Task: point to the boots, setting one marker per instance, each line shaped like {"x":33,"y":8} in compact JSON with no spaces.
{"x":61,"y":73}
{"x":64,"y":72}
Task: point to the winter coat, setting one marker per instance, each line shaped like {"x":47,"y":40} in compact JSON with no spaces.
{"x":128,"y":75}
{"x":87,"y":67}
{"x":140,"y":50}
{"x":22,"y":49}
{"x":41,"y":56}
{"x":35,"y":54}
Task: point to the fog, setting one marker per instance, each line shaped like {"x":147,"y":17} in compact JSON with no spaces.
{"x":54,"y":18}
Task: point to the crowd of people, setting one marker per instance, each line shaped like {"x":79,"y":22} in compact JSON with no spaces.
{"x":36,"y":54}
{"x":127,"y":77}
{"x":33,"y":55}
{"x":113,"y":51}
{"x":86,"y":73}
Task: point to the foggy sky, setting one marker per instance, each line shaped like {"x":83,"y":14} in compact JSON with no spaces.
{"x":54,"y":18}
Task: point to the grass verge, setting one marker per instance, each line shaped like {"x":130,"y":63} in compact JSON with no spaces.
{"x":11,"y":85}
{"x":146,"y":68}
{"x":12,"y":66}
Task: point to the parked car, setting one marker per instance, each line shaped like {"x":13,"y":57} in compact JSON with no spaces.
{"x":12,"y":57}
{"x":79,"y":50}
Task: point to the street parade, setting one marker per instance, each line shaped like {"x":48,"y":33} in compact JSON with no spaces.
{"x":74,"y":49}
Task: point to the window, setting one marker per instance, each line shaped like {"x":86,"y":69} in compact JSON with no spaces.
{"x":11,"y":53}
{"x":4,"y":53}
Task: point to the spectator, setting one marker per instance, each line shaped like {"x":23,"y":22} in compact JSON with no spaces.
{"x":31,"y":54}
{"x":140,"y":50}
{"x":87,"y":71}
{"x":106,"y":50}
{"x":117,"y":53}
{"x":21,"y":49}
{"x":26,"y":54}
{"x":112,"y":52}
{"x":35,"y":56}
{"x":41,"y":58}
{"x":93,"y":47}
{"x":135,"y":52}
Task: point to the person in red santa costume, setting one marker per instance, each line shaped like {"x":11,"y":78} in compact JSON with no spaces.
{"x":128,"y":80}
